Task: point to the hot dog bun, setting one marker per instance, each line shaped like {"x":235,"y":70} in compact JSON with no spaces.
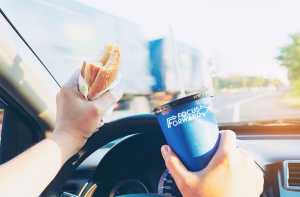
{"x":101,"y":75}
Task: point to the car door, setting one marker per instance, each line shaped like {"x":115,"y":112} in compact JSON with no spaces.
{"x":18,"y":130}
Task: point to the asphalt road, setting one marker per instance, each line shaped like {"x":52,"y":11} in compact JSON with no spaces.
{"x":253,"y":105}
{"x":237,"y":107}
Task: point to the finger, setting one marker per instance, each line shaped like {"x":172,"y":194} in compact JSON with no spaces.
{"x":261,"y":180}
{"x":175,"y":166}
{"x":109,"y":99}
{"x":254,"y":164}
{"x":254,"y":171}
{"x":247,"y":155}
{"x":251,"y":158}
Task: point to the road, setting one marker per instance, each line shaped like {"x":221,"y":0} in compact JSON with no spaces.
{"x":237,"y":106}
{"x":253,"y":105}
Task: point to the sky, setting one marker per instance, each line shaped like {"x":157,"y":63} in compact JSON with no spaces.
{"x":243,"y":36}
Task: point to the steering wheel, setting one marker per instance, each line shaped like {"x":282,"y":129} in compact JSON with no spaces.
{"x":110,"y":131}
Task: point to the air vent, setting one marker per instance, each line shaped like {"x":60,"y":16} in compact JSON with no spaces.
{"x":291,"y":174}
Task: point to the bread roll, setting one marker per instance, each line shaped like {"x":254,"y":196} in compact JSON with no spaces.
{"x":100,"y":76}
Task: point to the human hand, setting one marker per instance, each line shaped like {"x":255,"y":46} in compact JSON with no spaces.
{"x":230,"y":173}
{"x":77,"y":119}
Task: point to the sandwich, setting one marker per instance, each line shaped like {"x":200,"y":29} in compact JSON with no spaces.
{"x":97,"y":78}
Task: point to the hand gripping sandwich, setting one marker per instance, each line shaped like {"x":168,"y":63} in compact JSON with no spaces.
{"x":96,"y":78}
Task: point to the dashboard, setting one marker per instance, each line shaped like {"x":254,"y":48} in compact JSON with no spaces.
{"x":134,"y":164}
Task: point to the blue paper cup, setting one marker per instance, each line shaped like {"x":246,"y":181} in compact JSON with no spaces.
{"x":190,"y":128}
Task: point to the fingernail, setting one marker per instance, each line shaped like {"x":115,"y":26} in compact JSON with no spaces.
{"x":168,"y":150}
{"x":164,"y":151}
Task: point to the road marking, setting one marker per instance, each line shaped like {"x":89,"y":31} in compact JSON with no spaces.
{"x":237,"y":106}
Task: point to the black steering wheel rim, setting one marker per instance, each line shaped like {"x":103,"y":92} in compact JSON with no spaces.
{"x":110,"y":131}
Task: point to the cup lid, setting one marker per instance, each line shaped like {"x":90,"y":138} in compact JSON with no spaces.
{"x":180,"y":101}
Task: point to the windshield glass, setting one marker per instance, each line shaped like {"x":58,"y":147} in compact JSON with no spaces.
{"x":246,"y":53}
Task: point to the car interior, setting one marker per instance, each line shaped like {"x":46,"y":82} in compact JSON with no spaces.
{"x":123,"y":158}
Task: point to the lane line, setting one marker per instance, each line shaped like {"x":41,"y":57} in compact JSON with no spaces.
{"x":227,"y":106}
{"x":237,"y":106}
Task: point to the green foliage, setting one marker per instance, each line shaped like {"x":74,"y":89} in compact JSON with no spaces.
{"x":290,"y":58}
{"x":244,"y":82}
{"x":295,"y":91}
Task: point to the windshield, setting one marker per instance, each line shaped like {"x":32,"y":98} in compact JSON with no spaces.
{"x":246,"y":53}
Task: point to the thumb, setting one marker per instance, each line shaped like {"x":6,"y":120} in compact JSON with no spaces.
{"x":178,"y":171}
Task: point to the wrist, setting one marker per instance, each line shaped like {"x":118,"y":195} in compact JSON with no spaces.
{"x":68,"y":143}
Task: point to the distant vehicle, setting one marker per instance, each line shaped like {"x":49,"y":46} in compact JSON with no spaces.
{"x":176,"y":65}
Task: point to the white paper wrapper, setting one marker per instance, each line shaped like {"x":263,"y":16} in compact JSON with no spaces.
{"x":84,"y":88}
